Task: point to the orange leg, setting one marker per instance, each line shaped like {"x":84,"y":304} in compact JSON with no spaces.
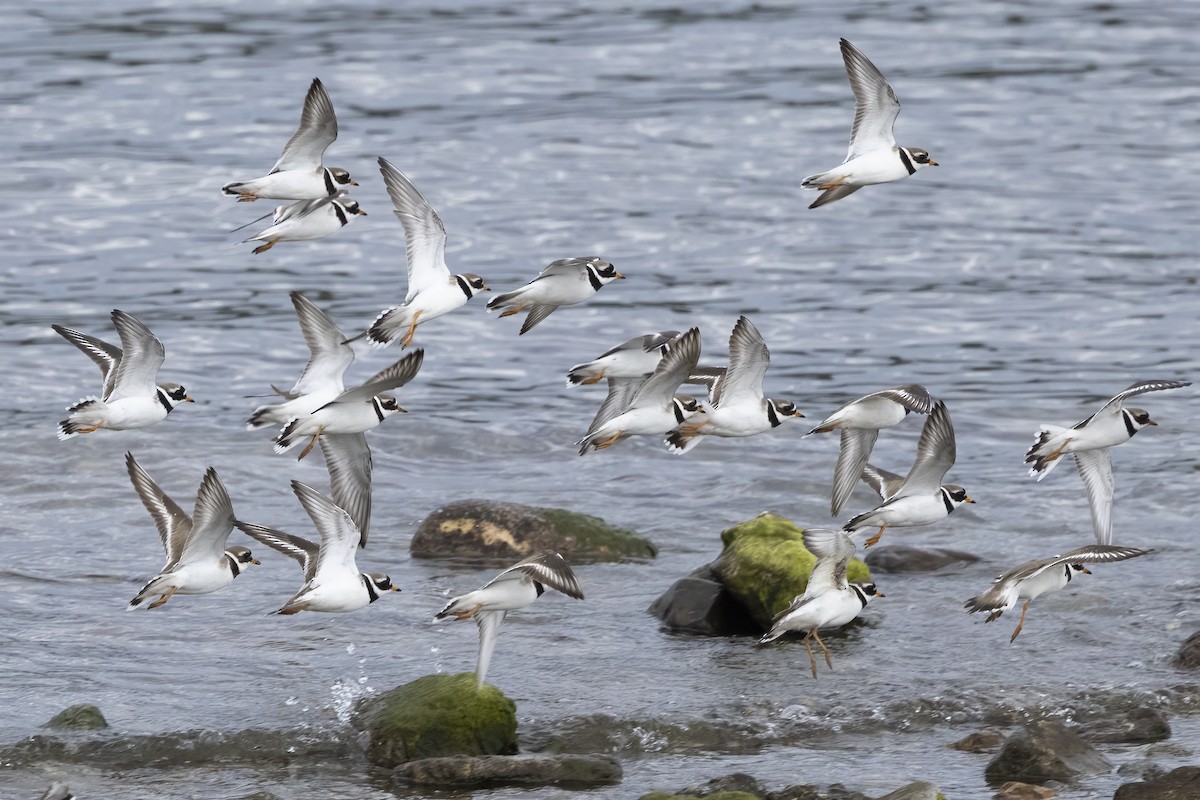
{"x":828,"y":660}
{"x":412,"y":328}
{"x":313,"y":441}
{"x":95,"y":427}
{"x":508,"y":312}
{"x":247,"y":198}
{"x":164,"y":598}
{"x":262,"y":248}
{"x":594,"y":379}
{"x":1020,"y":622}
{"x":875,"y":538}
{"x":812,"y":659}
{"x":609,"y":442}
{"x":467,"y":614}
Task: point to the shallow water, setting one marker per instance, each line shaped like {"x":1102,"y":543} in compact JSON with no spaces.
{"x":1048,"y":263}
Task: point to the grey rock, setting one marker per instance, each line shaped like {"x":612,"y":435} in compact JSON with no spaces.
{"x":1044,"y":751}
{"x":1143,"y":768}
{"x":526,"y":770}
{"x":701,"y":604}
{"x":1178,"y":784}
{"x":979,"y":742}
{"x":81,"y":717}
{"x":919,"y":790}
{"x":1139,"y":726}
{"x":737,"y":782}
{"x":799,"y":792}
{"x":899,"y":558}
{"x":509,"y":531}
{"x":1015,"y":790}
{"x":1188,"y":656}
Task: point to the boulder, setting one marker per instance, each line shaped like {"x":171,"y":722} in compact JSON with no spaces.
{"x":764,"y":565}
{"x":900,"y":558}
{"x":716,"y":796}
{"x":919,"y":790}
{"x":1188,"y":656}
{"x":701,"y":604}
{"x":437,"y":715}
{"x":979,"y":742}
{"x":1138,"y":726}
{"x":737,"y":783}
{"x":1015,"y":790}
{"x":82,"y":717}
{"x":1044,"y":751}
{"x":478,"y":772}
{"x":1178,"y":784}
{"x":509,"y":531}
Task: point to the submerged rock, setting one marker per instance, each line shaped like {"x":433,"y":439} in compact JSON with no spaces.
{"x":81,"y":717}
{"x":1015,"y":790}
{"x":479,"y":772}
{"x":1178,"y":784}
{"x":509,"y":531}
{"x":1138,"y":726}
{"x":1044,"y":751}
{"x":919,"y":790}
{"x":765,"y":565}
{"x":740,"y":786}
{"x":438,"y":715}
{"x":701,"y":604}
{"x":979,"y":742}
{"x":900,"y":558}
{"x":1188,"y":656}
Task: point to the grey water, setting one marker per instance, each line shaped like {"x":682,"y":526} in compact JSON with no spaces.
{"x":1046,"y":264}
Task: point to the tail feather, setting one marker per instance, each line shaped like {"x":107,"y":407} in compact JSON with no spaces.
{"x":286,"y":439}
{"x":387,"y":326}
{"x":259,"y":418}
{"x":680,"y":443}
{"x":1041,"y":454}
{"x":67,"y":429}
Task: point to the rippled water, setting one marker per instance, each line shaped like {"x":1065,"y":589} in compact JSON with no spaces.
{"x":1046,"y":264}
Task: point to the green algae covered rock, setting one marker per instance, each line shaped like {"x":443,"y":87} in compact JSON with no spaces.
{"x":765,"y":564}
{"x":509,"y":531}
{"x":438,"y":715}
{"x":82,"y":717}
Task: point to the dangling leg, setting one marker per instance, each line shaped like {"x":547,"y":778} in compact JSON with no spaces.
{"x":313,"y":441}
{"x":517,"y":309}
{"x":1021,"y":622}
{"x":246,"y":198}
{"x":262,"y":248}
{"x":609,"y":442}
{"x":164,"y":598}
{"x":875,"y":538}
{"x":412,"y":328}
{"x":828,"y":660}
{"x":812,"y":659}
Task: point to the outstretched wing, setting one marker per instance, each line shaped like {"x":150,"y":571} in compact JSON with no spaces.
{"x":549,"y":569}
{"x":875,"y":104}
{"x":392,"y":377}
{"x":856,"y":446}
{"x":141,"y":356}
{"x":673,"y":369}
{"x":1095,"y":467}
{"x":1141,"y":387}
{"x":295,"y":547}
{"x":833,"y":550}
{"x":935,"y":453}
{"x":348,"y":459}
{"x":106,"y":356}
{"x":339,"y":534}
{"x":173,"y":523}
{"x":424,"y":233}
{"x":212,"y":521}
{"x":330,"y":354}
{"x":318,"y":129}
{"x":748,"y":362}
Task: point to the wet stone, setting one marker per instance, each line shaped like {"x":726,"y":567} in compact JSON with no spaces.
{"x":901,"y":558}
{"x":979,"y":742}
{"x":702,"y":605}
{"x":571,"y":771}
{"x":1188,"y":656}
{"x":510,"y":531}
{"x":1139,"y":726}
{"x":1178,"y":784}
{"x":1015,"y":790}
{"x":919,"y":790}
{"x":81,"y":717}
{"x":1044,"y":751}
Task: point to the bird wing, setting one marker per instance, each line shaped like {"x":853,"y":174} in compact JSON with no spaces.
{"x":536,"y":314}
{"x":935,"y":453}
{"x":489,"y":627}
{"x":302,"y":208}
{"x":141,"y":356}
{"x":914,"y":397}
{"x":339,"y":534}
{"x":318,"y":129}
{"x":348,"y":460}
{"x":424,"y":233}
{"x":392,"y":377}
{"x":833,"y":550}
{"x":549,"y":569}
{"x":295,"y":547}
{"x":875,"y":104}
{"x":748,"y":362}
{"x":1095,"y":467}
{"x":173,"y":523}
{"x":1141,"y":387}
{"x":620,"y":392}
{"x":106,"y":356}
{"x":883,"y":483}
{"x":330,"y":354}
{"x":212,"y":521}
{"x":673,"y":369}
{"x":855,"y":449}
{"x":567,"y":267}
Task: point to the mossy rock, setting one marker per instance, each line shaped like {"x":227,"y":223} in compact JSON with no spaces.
{"x":765,"y":565}
{"x":509,"y":531}
{"x":438,"y":715}
{"x":82,"y":717}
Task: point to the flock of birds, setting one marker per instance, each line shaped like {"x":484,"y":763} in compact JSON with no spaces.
{"x":643,"y":375}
